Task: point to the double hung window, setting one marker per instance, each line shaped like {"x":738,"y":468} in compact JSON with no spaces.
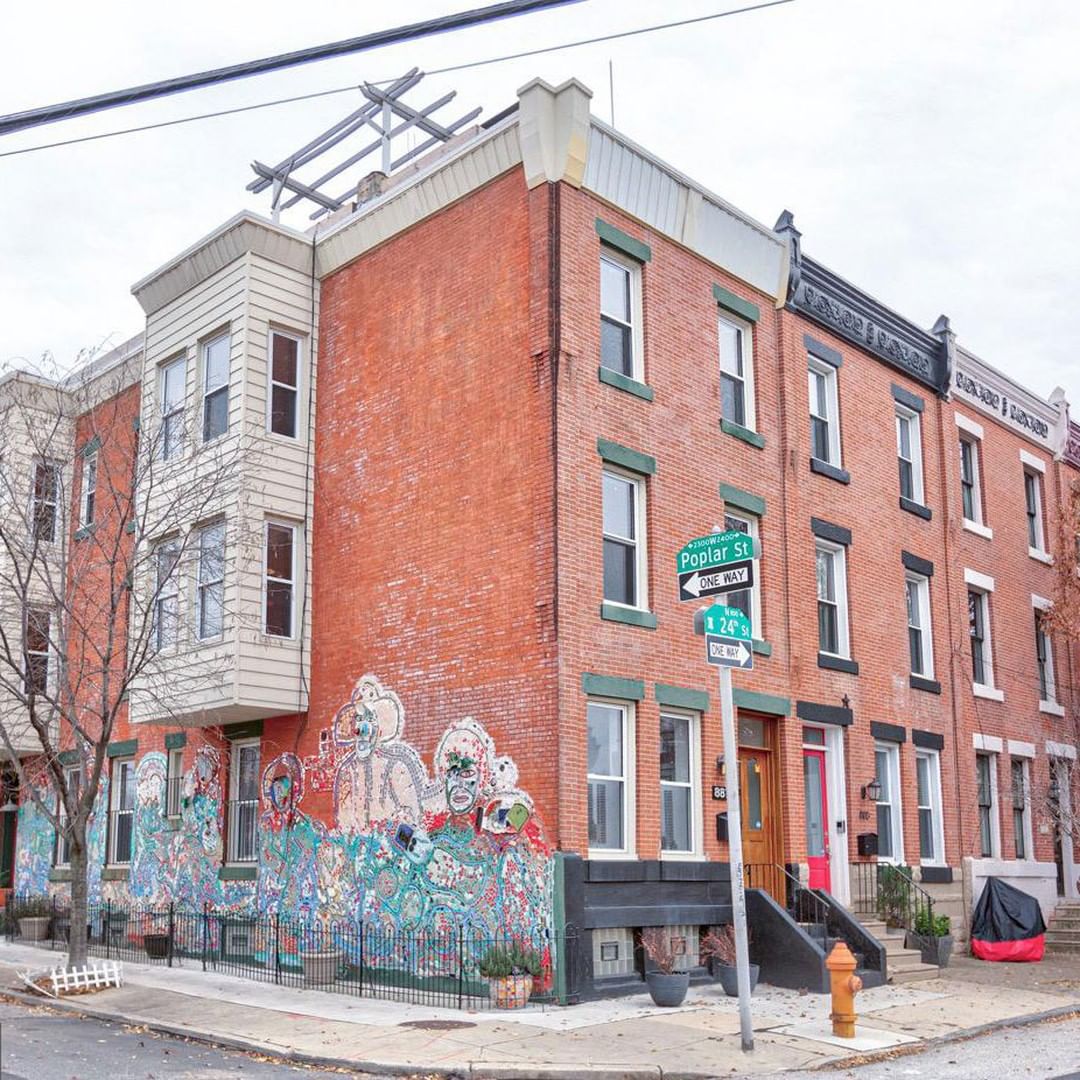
{"x":172,"y":388}
{"x":736,"y":372}
{"x":37,"y":628}
{"x":63,"y":840}
{"x":678,"y":783}
{"x":909,"y":453}
{"x":748,"y":600}
{"x":624,"y":564}
{"x":1033,"y":507}
{"x":920,"y":638}
{"x":121,"y":810}
{"x":1044,"y":660}
{"x":889,"y":827}
{"x":87,"y":507}
{"x":46,"y":500}
{"x":215,"y":387}
{"x":243,"y":813}
{"x":280,"y":580}
{"x":824,"y":412}
{"x":167,"y":605}
{"x":210,"y":585}
{"x":284,"y":384}
{"x":1021,"y":825}
{"x":832,"y":599}
{"x":986,"y":794}
{"x":174,"y":781}
{"x":609,"y":777}
{"x":928,"y":784}
{"x":620,"y":290}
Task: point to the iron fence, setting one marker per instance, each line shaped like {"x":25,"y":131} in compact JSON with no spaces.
{"x":448,"y":968}
{"x":890,"y":892}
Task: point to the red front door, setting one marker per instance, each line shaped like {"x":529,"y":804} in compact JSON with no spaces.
{"x":817,"y":818}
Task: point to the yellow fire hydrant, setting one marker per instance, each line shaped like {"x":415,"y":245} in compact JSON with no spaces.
{"x":845,"y":985}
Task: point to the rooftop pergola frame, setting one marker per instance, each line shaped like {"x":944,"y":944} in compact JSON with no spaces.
{"x":388,"y":116}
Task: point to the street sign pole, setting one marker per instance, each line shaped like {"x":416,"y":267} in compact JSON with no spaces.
{"x":735,"y":857}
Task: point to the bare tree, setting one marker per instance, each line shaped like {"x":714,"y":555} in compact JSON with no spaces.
{"x":96,"y":539}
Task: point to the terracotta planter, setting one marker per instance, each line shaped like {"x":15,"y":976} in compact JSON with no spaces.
{"x":321,"y":968}
{"x":34,"y":927}
{"x":729,"y":978}
{"x":510,"y":991}
{"x":668,"y":991}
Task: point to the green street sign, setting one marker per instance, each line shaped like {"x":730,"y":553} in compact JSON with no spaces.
{"x":716,"y":549}
{"x":728,"y":622}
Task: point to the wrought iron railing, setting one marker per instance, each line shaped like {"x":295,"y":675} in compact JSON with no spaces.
{"x":804,"y":905}
{"x":445,"y":968}
{"x":894,"y":896}
{"x":243,"y":838}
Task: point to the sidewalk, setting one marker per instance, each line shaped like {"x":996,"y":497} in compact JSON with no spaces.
{"x":624,"y":1038}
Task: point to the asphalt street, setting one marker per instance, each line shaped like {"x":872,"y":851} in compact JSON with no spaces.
{"x":40,"y":1044}
{"x":1047,"y":1051}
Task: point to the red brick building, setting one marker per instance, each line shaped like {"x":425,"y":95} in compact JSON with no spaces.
{"x":475,"y":418}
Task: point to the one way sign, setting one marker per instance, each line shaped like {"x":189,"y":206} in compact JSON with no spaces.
{"x":695,"y":584}
{"x":728,"y":652}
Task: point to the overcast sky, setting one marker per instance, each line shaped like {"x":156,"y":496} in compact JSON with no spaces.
{"x":927,"y":149}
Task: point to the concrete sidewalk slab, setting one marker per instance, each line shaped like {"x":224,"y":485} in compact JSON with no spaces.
{"x":866,"y":1040}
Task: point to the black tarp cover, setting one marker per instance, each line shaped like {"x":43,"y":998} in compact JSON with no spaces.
{"x":1004,"y":913}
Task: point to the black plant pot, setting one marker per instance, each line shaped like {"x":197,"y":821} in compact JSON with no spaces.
{"x":729,"y":978}
{"x":937,"y":951}
{"x":668,"y":990}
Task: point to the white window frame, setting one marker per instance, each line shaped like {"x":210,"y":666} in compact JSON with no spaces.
{"x":201,"y":585}
{"x":88,"y":494}
{"x":933,"y":759}
{"x":972,"y":434}
{"x":832,"y":398}
{"x":1049,"y":704}
{"x":839,"y":555}
{"x":641,"y":563}
{"x":49,"y":652}
{"x":55,"y":503}
{"x":695,"y":851}
{"x":294,"y":529}
{"x":895,"y":803}
{"x":271,"y":382}
{"x":991,"y":757}
{"x":637,"y":338}
{"x":745,"y":330}
{"x":166,"y":592}
{"x":235,"y":752}
{"x":208,"y":392}
{"x":174,"y":774}
{"x":177,"y":411}
{"x":1039,"y":550}
{"x":922,"y":584}
{"x":115,"y":768}
{"x":753,"y":524}
{"x":914,"y":420}
{"x":984,"y":587}
{"x":73,"y":776}
{"x":629,"y":822}
{"x":1025,"y":764}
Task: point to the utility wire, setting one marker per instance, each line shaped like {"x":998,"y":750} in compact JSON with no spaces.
{"x":148,"y":91}
{"x":384,"y":82}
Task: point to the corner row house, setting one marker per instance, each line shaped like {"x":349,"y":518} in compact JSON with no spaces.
{"x":429,"y":665}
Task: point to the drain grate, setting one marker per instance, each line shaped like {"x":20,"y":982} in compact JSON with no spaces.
{"x":437,"y":1025}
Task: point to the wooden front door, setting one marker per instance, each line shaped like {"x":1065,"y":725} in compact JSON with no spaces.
{"x":759,"y":797}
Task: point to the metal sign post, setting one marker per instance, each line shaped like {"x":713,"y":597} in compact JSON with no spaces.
{"x":735,"y":858}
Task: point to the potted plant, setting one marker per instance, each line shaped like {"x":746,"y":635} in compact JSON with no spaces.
{"x":718,"y":952}
{"x":35,"y":916}
{"x":666,"y":985}
{"x":510,"y":970}
{"x":932,"y":936}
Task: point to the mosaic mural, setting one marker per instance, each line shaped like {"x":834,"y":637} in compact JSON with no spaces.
{"x":407,"y":851}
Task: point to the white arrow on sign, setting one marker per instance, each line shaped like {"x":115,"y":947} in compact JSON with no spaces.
{"x":729,"y":652}
{"x":710,"y":582}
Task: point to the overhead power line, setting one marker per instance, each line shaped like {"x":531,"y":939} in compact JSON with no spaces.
{"x":380,"y":82}
{"x":50,"y":114}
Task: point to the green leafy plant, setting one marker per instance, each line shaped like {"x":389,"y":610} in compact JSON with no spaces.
{"x":894,"y":891}
{"x":32,"y":907}
{"x":937,"y":926}
{"x":504,"y":961}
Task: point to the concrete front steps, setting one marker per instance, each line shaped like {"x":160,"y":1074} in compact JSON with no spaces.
{"x":1063,"y":932}
{"x":904,"y":965}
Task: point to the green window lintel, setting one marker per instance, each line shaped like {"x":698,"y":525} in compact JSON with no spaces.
{"x":736,"y":304}
{"x":761,"y":648}
{"x":68,"y":758}
{"x":249,"y":729}
{"x":237,"y":873}
{"x":175,"y":740}
{"x":763,"y":703}
{"x":91,"y":447}
{"x":624,"y":242}
{"x":123,"y":748}
{"x":634,"y":460}
{"x":612,"y":686}
{"x":622,"y":382}
{"x":733,"y":496}
{"x":682,"y":697}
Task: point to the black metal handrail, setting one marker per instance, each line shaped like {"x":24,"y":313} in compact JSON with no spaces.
{"x":801,"y":902}
{"x":902,"y":902}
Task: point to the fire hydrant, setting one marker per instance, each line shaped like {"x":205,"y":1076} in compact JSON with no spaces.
{"x":845,"y":985}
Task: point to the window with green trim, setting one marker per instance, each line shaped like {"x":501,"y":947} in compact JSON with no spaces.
{"x":624,"y":543}
{"x":620,"y":314}
{"x":748,"y":601}
{"x":736,"y":341}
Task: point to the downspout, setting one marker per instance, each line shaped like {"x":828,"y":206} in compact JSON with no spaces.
{"x":554,"y":355}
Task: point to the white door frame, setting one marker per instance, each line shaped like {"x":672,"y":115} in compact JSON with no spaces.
{"x":1068,"y":864}
{"x":836,"y":792}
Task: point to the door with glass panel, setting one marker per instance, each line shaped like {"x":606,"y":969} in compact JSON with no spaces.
{"x":759,"y":799}
{"x":816,"y":803}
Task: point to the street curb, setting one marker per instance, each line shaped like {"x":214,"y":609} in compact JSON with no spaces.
{"x":954,"y":1036}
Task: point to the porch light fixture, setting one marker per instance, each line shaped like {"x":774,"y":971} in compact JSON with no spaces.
{"x":720,"y":763}
{"x":872,"y":791}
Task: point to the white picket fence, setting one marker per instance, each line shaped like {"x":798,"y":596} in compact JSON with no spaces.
{"x":93,"y":976}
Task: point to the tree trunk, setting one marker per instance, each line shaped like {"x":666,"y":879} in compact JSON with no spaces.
{"x":77,"y":939}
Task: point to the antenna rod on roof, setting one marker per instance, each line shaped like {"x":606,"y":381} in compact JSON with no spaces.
{"x":50,"y":114}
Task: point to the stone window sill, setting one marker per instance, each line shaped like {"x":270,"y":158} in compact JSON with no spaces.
{"x":991,"y":693}
{"x":625,"y":383}
{"x":823,"y":468}
{"x":744,"y":434}
{"x":629,"y":616}
{"x":978,"y":529}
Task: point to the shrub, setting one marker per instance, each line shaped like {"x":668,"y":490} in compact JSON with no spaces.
{"x":503,"y":961}
{"x":31,"y":907}
{"x":925,"y":926}
{"x":659,"y":946}
{"x":718,"y":945}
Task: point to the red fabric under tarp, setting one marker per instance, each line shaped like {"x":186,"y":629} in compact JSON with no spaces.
{"x":1024,"y":951}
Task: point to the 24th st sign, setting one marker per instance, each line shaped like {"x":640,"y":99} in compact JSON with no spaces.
{"x":714,"y":564}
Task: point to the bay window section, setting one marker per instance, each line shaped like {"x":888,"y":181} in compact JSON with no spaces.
{"x":280,"y":579}
{"x":216,"y":388}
